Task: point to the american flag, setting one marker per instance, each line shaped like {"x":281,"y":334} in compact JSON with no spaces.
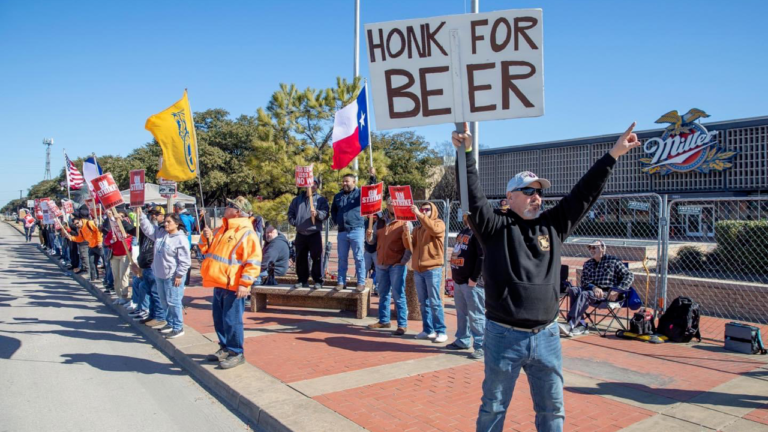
{"x":74,"y":177}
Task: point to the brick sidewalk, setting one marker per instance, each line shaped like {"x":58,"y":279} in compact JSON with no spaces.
{"x":386,"y":383}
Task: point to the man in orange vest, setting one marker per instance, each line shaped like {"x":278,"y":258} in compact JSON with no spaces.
{"x":87,"y":231}
{"x":232,"y":262}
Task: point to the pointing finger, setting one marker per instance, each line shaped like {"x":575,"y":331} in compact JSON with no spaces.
{"x":626,"y":134}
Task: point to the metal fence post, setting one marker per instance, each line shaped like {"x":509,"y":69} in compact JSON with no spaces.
{"x":447,"y":235}
{"x":662,"y":300}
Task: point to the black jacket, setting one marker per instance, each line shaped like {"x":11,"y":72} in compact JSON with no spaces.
{"x":345,"y":209}
{"x":467,"y":257}
{"x":146,"y":249}
{"x":300,"y":217}
{"x":521,"y":268}
{"x":276,"y":251}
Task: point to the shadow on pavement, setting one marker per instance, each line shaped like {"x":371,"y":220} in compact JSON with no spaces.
{"x":118,"y":363}
{"x":8,"y":346}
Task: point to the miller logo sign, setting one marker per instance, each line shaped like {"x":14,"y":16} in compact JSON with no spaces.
{"x":685,"y":146}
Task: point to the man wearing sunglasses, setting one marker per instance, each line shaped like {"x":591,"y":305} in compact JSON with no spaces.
{"x":521,"y":271}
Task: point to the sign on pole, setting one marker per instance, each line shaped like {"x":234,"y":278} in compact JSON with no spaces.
{"x":54,"y":209}
{"x":167,"y":188}
{"x":30,"y":203}
{"x":106,"y":190}
{"x":370,"y":199}
{"x":137,"y":187}
{"x":304,"y":176}
{"x":38,"y":210}
{"x":47,"y":216}
{"x":68,"y":207}
{"x":689,"y":210}
{"x":116,"y":231}
{"x":458,"y":68}
{"x":642,"y":206}
{"x":402,"y":200}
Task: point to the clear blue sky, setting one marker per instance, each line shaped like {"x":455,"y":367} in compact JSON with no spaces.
{"x":89,"y":73}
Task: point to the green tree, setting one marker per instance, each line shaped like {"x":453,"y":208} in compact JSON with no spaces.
{"x":411,"y":160}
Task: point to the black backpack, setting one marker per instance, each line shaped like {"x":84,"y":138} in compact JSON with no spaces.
{"x":680,"y":322}
{"x":642,"y":323}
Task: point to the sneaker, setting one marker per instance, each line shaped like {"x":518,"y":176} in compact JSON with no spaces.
{"x":441,"y":338}
{"x":565,"y":329}
{"x":218,"y":356}
{"x":135,"y":312}
{"x":378,"y":325}
{"x":301,"y":285}
{"x":339,"y":287}
{"x":146,"y":320}
{"x":360,"y":288}
{"x":117,"y":301}
{"x":131,"y":308}
{"x":232,"y":361}
{"x":453,"y":346}
{"x":141,"y":317}
{"x":579,"y":330}
{"x":477,"y":354}
{"x":400,"y":331}
{"x":424,"y":335}
{"x":167,"y":329}
{"x":173,"y":334}
{"x":318,"y":285}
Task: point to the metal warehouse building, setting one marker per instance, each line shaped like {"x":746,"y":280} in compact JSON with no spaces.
{"x":564,"y":162}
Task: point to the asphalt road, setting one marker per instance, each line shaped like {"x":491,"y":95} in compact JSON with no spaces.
{"x":67,"y":363}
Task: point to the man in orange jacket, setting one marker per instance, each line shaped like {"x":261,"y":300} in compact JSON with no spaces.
{"x":232,"y":262}
{"x":87,"y":231}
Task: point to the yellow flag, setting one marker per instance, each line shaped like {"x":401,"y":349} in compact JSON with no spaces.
{"x":174,"y":130}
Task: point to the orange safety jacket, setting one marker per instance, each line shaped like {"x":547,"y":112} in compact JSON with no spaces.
{"x":233,"y":257}
{"x":89,"y":233}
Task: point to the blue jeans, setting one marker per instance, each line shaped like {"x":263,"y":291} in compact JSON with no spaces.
{"x":140,"y":296}
{"x":170,"y":298}
{"x":228,"y":319}
{"x":430,"y":303}
{"x":392,"y":284}
{"x":506,"y":351}
{"x":470,"y":314}
{"x":156,"y":309}
{"x":352,"y":239}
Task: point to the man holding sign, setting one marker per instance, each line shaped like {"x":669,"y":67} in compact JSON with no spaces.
{"x":521,"y":271}
{"x":308,"y":217}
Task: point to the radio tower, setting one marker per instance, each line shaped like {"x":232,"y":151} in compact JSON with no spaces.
{"x":47,"y":142}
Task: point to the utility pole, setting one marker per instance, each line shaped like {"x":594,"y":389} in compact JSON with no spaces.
{"x":47,"y":142}
{"x":356,"y":72}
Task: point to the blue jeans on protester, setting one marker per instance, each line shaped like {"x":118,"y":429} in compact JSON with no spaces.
{"x":506,"y":351}
{"x":140,"y":297}
{"x":170,"y":298}
{"x":430,"y":303}
{"x":392,"y":284}
{"x":352,"y":240}
{"x":228,"y":319}
{"x":370,"y":261}
{"x":470,"y":314}
{"x":156,"y":309}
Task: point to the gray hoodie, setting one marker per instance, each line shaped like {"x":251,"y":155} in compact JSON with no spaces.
{"x":172,"y":256}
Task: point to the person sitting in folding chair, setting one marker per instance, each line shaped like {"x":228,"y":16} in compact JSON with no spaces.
{"x":604,"y":277}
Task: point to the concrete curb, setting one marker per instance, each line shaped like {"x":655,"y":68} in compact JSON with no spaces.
{"x":263,"y":400}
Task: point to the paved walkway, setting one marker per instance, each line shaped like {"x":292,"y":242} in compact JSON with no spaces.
{"x":323,"y":370}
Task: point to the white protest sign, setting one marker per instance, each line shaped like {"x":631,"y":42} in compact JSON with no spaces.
{"x":457,"y":68}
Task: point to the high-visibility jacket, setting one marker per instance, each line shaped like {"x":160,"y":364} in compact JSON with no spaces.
{"x":89,"y":233}
{"x":233,"y":257}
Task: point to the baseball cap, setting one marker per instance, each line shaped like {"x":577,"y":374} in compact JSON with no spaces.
{"x":178,"y":204}
{"x":157,"y":210}
{"x":525,"y":178}
{"x":241,"y":203}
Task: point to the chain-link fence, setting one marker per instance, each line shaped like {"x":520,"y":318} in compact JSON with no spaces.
{"x":718,"y":255}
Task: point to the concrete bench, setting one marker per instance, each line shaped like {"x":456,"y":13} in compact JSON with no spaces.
{"x":323,"y":298}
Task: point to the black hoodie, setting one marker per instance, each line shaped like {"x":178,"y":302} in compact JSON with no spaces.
{"x":146,"y":249}
{"x":521,"y":268}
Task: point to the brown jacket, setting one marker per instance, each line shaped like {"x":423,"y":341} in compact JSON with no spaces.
{"x":390,"y":243}
{"x":427,"y":242}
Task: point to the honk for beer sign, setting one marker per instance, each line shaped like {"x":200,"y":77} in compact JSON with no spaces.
{"x":685,"y":146}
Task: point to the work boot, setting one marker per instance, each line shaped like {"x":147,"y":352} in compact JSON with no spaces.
{"x":339,"y":287}
{"x":400,"y":331}
{"x":378,"y":325}
{"x":232,"y":361}
{"x":360,"y":288}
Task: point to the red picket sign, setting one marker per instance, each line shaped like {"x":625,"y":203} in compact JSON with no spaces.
{"x":38,"y":209}
{"x":57,"y":224}
{"x":137,"y":187}
{"x":55,"y":209}
{"x":116,"y":229}
{"x":370,"y":199}
{"x":68,"y":207}
{"x":106,"y":191}
{"x":304,"y":176}
{"x":402,"y":200}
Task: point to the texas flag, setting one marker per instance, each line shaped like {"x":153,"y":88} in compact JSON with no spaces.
{"x":350,"y":131}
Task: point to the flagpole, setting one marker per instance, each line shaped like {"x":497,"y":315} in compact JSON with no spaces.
{"x":357,"y":62}
{"x":66,"y":172}
{"x":197,"y":161}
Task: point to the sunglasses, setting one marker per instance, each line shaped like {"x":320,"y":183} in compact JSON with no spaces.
{"x":426,"y":210}
{"x":529,"y":191}
{"x":232,"y":206}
